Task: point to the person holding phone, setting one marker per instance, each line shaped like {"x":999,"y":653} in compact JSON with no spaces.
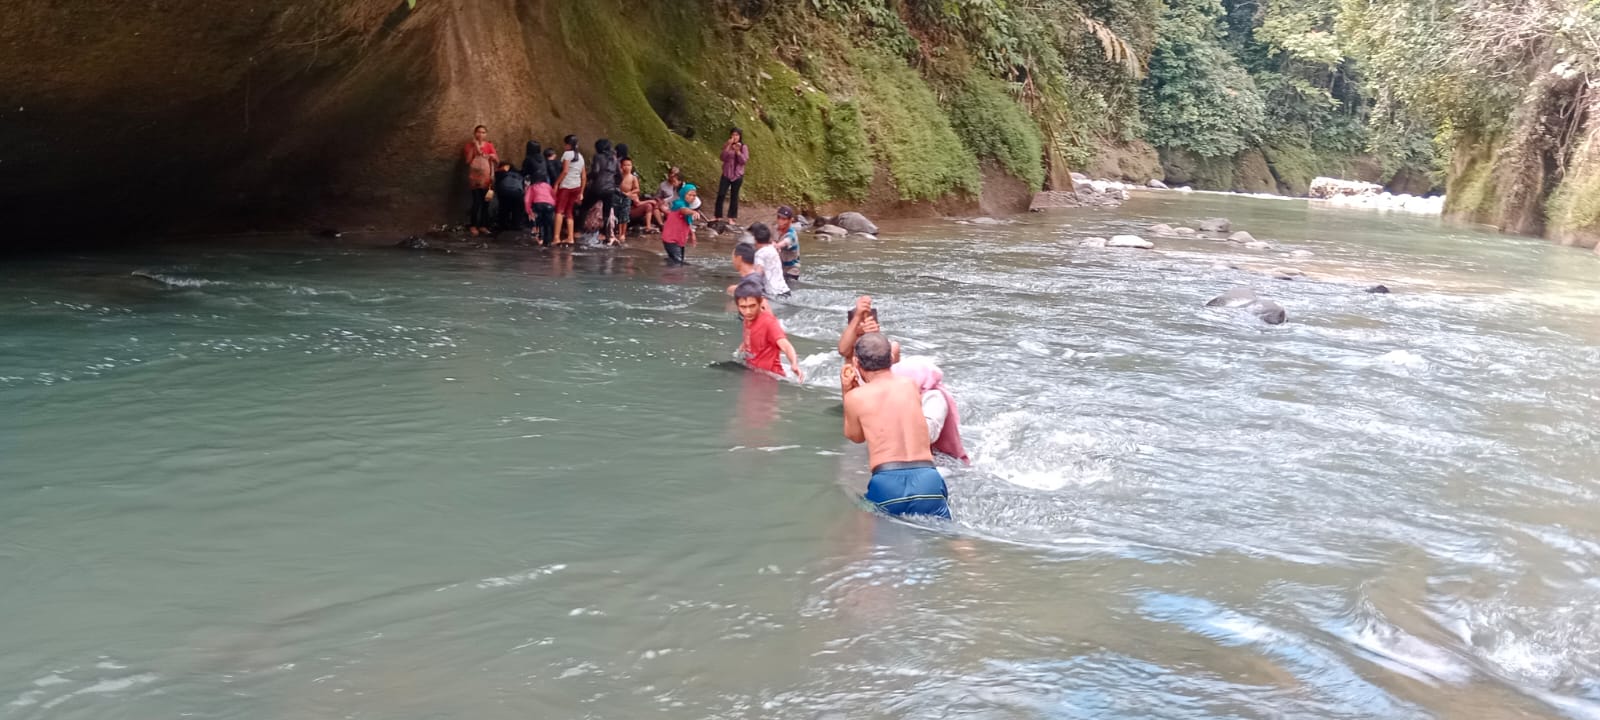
{"x":481,"y":160}
{"x":734,"y":156}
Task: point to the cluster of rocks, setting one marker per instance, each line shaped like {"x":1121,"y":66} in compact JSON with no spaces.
{"x":1088,"y":192}
{"x":1370,"y":196}
{"x":1210,"y":227}
{"x":1269,"y":311}
{"x":1265,"y":309}
{"x":847,"y":224}
{"x":1323,"y":188}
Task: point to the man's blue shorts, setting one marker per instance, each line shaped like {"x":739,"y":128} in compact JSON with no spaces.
{"x":897,"y":489}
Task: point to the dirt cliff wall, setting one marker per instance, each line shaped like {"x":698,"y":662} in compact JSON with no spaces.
{"x":126,"y":116}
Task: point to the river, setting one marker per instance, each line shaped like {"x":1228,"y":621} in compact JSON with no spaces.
{"x":296,"y":478}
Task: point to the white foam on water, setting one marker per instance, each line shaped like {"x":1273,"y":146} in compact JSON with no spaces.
{"x":1403,"y":359}
{"x":1025,"y":450}
{"x":26,"y":699}
{"x":519,"y":578}
{"x":1407,"y":654}
{"x":177,"y":280}
{"x":1033,"y":347}
{"x":104,"y":686}
{"x":1576,"y":707}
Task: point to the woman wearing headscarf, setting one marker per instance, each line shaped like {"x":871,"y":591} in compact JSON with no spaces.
{"x":678,"y":230}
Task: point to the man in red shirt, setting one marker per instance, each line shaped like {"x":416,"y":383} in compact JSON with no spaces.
{"x":763,"y":336}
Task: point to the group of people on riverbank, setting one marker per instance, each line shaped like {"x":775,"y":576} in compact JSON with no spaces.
{"x":557,"y":196}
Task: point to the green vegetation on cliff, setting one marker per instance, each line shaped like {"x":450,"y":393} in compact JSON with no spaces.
{"x":911,"y":132}
{"x":852,"y":101}
{"x":1509,"y":85}
{"x":995,"y":127}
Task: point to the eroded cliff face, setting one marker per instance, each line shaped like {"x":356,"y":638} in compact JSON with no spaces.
{"x":130,"y":116}
{"x":1538,"y":175}
{"x":124,"y":115}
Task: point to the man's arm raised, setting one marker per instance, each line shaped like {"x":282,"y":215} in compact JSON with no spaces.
{"x":852,"y":420}
{"x":852,"y":331}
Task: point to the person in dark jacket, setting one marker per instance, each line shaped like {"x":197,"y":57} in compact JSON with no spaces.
{"x":509,"y":190}
{"x":534,"y":169}
{"x":605,"y":177}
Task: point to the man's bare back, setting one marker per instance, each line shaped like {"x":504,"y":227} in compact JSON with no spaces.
{"x":886,"y":414}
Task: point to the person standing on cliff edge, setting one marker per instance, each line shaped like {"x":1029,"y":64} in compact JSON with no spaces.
{"x":734,"y":156}
{"x":481,"y":161}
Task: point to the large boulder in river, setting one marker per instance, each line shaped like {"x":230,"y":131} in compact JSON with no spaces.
{"x":833,"y":230}
{"x":855,"y":222}
{"x":1245,"y":298}
{"x":1241,"y":237}
{"x":1216,"y":225}
{"x":1161,"y":229}
{"x":1130,"y":241}
{"x":1235,"y":298}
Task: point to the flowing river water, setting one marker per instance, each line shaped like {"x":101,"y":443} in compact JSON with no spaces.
{"x":298,"y":479}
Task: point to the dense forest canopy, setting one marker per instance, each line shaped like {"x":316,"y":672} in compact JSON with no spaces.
{"x":1393,"y":90}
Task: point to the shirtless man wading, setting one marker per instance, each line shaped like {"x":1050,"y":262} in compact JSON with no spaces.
{"x":885,"y":412}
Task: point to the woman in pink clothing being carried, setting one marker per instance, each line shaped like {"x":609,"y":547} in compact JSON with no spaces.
{"x":938,"y":406}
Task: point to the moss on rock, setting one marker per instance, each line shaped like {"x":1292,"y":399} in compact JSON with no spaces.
{"x":911,"y":132}
{"x":1574,"y":208}
{"x":995,"y":127}
{"x":849,"y":169}
{"x":1472,"y":195}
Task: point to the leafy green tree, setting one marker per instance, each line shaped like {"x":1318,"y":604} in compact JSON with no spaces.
{"x":1198,"y":96}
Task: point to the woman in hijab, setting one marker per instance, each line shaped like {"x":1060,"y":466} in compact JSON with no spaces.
{"x":678,"y":230}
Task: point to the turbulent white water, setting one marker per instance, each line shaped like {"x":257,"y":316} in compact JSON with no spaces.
{"x":292,"y":480}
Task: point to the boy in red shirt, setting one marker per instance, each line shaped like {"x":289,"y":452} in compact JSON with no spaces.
{"x":763,"y":336}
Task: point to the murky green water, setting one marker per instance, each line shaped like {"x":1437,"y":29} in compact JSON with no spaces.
{"x":284,"y":480}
